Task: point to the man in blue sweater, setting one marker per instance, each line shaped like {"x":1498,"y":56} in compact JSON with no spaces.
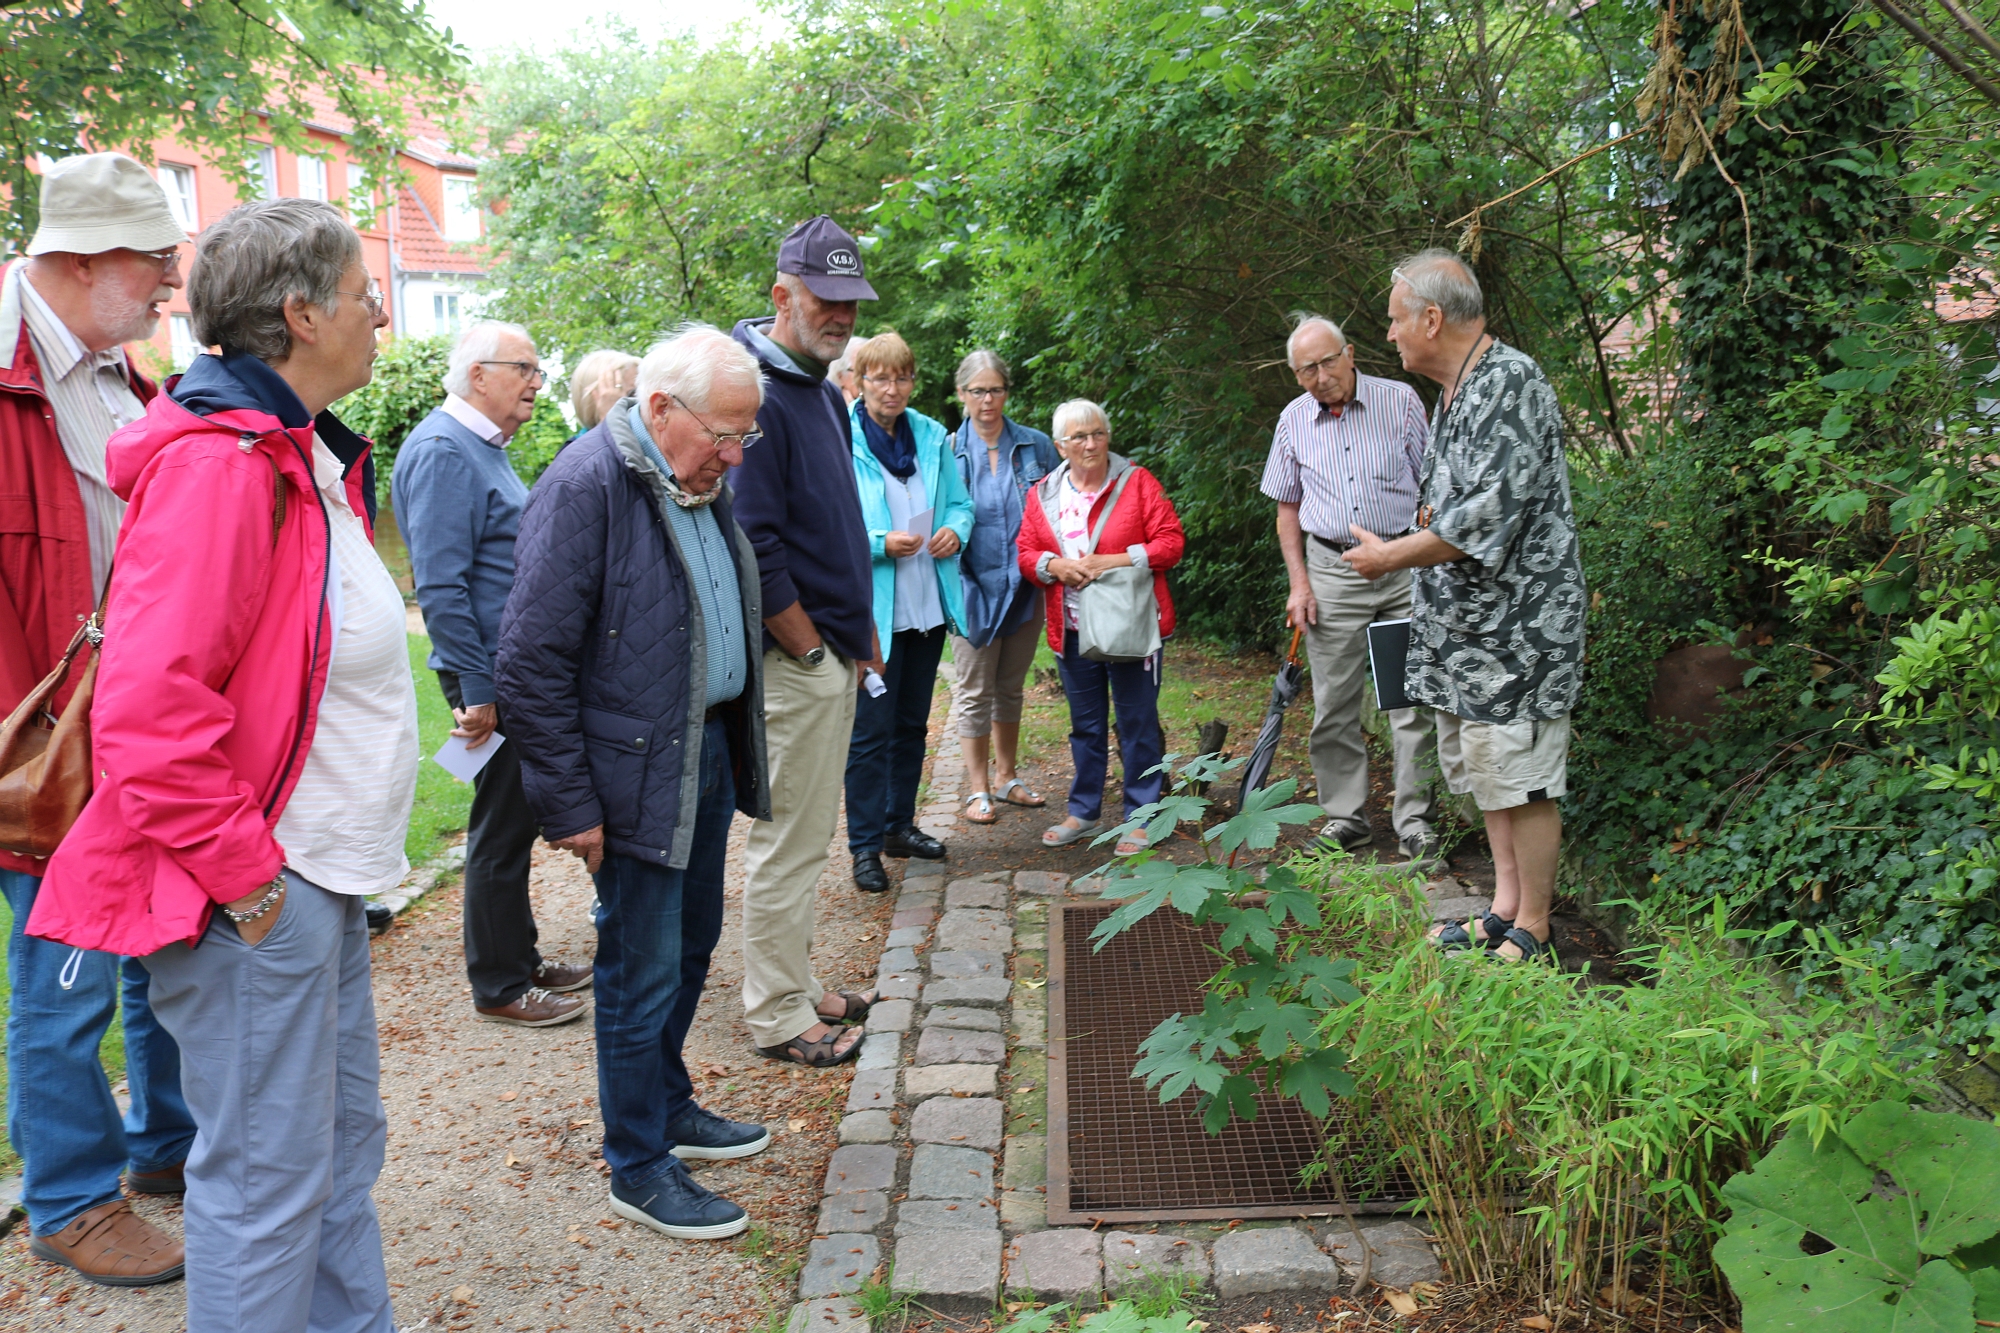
{"x":796,"y":501}
{"x":458,"y":501}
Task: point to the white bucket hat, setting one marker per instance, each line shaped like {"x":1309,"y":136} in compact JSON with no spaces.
{"x":103,"y":201}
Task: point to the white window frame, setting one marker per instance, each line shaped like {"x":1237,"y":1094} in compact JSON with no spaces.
{"x":263,"y":165}
{"x":313,"y":176}
{"x":183,"y":199}
{"x":462,"y":219}
{"x":182,"y":345}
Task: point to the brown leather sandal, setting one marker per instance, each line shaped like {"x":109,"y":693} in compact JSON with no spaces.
{"x":819,"y":1054}
{"x":856,"y":1010}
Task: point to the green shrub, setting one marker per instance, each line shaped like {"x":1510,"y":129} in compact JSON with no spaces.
{"x":408,"y":383}
{"x":1561,"y":1132}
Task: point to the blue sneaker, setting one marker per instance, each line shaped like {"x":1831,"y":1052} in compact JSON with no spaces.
{"x":703,"y":1136}
{"x":674,"y":1205}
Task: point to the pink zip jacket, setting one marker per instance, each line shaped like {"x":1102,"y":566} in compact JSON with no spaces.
{"x":216,"y":646}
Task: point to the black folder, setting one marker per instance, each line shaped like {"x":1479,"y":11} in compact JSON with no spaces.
{"x":1388,"y":649}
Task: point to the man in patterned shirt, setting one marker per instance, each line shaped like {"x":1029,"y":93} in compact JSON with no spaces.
{"x":1349,"y":451}
{"x":1498,"y":603}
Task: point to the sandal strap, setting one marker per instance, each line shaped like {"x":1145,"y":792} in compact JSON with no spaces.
{"x":819,"y":1054}
{"x":1453,"y":937}
{"x":1530,"y":947}
{"x":1495,"y":928}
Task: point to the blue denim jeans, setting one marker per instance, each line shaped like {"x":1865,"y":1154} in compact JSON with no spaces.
{"x":885,"y":756}
{"x":1093,"y":689}
{"x":656,"y":928}
{"x":61,"y":1117}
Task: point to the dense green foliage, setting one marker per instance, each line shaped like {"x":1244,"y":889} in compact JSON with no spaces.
{"x":82,"y":74}
{"x":1889,"y":1224}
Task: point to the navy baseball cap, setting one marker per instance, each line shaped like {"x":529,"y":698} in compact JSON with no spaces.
{"x":825,"y":258}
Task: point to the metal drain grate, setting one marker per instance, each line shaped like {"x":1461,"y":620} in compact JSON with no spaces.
{"x":1115,"y":1153}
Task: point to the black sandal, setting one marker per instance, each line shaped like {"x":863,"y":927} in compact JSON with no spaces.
{"x":1452,"y":936}
{"x":855,"y":1012}
{"x":819,"y":1054}
{"x":1532,"y":949}
{"x":1495,"y":927}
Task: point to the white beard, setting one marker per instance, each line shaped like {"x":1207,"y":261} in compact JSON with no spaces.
{"x":123,"y":318}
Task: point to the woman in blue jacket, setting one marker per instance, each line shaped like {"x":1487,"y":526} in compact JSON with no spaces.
{"x":999,"y":460}
{"x":918,"y":516}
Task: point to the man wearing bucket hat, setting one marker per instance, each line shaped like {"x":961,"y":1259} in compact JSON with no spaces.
{"x":105,"y":256}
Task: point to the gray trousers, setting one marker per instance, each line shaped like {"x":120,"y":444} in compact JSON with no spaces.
{"x":281,"y":1068}
{"x":1337,"y":648}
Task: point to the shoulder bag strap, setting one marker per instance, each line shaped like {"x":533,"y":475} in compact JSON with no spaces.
{"x":1097,"y":533}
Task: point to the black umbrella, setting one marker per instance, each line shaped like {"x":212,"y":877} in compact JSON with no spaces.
{"x":1284,"y":689}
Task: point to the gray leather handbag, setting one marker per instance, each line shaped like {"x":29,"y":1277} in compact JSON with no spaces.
{"x":1117,"y":615}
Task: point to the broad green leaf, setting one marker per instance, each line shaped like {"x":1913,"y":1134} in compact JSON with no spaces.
{"x":1939,"y":1301}
{"x":1985,"y":1293}
{"x":1949,"y":1164}
{"x":1784,"y":1288}
{"x":1828,"y":1191}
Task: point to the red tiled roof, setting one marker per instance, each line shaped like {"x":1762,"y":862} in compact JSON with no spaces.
{"x":420,"y":248}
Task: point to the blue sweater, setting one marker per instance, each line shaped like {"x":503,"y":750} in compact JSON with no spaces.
{"x":795,"y":500}
{"x":458,"y":501}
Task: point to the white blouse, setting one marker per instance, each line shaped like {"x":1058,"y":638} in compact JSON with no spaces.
{"x":344,"y":827}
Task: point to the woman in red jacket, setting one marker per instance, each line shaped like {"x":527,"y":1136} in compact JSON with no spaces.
{"x":1142,"y":531}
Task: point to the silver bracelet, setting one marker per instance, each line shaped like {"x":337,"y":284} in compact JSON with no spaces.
{"x":274,"y":891}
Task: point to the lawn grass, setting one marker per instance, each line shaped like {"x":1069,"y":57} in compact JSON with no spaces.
{"x":443,"y":802}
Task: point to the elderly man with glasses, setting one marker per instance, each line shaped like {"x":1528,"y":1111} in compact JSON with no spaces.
{"x":458,"y":501}
{"x":1347,"y":454}
{"x":635,"y":691}
{"x":104,"y":258}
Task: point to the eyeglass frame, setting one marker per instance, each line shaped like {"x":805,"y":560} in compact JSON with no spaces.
{"x":1312,"y":370}
{"x":984,"y":393}
{"x":372,"y":301}
{"x":532,"y":374}
{"x":719,"y":441}
{"x":1084,"y":436}
{"x":879,"y":380}
{"x":168,"y":259}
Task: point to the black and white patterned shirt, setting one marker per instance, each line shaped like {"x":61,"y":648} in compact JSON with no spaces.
{"x":1498,"y":636}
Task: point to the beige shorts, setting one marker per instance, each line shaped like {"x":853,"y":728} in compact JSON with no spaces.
{"x":1504,"y":764}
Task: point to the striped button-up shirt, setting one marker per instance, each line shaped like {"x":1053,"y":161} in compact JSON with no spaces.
{"x":1358,"y":465}
{"x":91,"y":395}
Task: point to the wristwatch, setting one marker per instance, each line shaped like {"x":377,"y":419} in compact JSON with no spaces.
{"x":814,"y":655}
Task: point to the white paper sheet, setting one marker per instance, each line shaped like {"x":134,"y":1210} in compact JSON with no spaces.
{"x":921,"y":523}
{"x":463,"y":763}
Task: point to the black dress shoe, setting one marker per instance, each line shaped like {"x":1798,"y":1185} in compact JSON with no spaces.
{"x":380,"y":918}
{"x":869,"y":876}
{"x":910,"y":840}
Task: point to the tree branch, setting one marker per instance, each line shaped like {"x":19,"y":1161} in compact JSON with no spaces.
{"x":1987,"y":88}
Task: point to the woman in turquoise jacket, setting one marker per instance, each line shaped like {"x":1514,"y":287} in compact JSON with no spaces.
{"x":919,"y":516}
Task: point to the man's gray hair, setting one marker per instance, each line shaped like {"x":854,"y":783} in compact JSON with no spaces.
{"x":977,"y":362}
{"x":1077,"y":412}
{"x":692,"y":361}
{"x":256,"y":258}
{"x":1440,"y":278}
{"x":1306,"y":319}
{"x":478,"y":341}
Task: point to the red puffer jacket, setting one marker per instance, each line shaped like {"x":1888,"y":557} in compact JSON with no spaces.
{"x":1144,"y":517}
{"x":44,"y":536}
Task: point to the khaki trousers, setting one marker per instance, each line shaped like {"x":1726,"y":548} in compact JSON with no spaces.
{"x":808,"y":719}
{"x":1337,"y":648}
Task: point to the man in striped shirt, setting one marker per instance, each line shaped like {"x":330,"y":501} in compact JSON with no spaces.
{"x":1348,"y":452}
{"x":103,"y":259}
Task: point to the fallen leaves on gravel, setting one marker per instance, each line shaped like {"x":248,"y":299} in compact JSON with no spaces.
{"x":463,"y":1295}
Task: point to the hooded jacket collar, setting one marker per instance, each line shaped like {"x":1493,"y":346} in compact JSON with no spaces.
{"x":239,"y":382}
{"x":756,"y":335}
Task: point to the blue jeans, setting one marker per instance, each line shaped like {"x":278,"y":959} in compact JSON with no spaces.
{"x":885,"y":756}
{"x":61,"y":1117}
{"x":1093,"y":688}
{"x":656,"y":928}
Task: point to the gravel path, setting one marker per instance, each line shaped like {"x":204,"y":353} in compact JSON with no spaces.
{"x":493,"y":1197}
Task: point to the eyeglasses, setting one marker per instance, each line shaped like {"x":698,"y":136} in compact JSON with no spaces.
{"x":530,"y":372}
{"x":1000,"y":392}
{"x":1312,"y":370}
{"x":168,"y":260}
{"x":371,"y":300}
{"x":721,"y":442}
{"x":1088,"y":437}
{"x":885,"y":381}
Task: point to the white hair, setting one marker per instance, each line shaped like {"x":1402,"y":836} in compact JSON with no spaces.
{"x":480,"y":341}
{"x":690,"y":362}
{"x":1303,"y":320}
{"x":845,"y":361}
{"x":1076,"y":412}
{"x":1440,"y":278}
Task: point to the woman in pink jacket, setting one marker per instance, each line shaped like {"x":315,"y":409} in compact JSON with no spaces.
{"x":255,"y":737}
{"x":1055,"y":548}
